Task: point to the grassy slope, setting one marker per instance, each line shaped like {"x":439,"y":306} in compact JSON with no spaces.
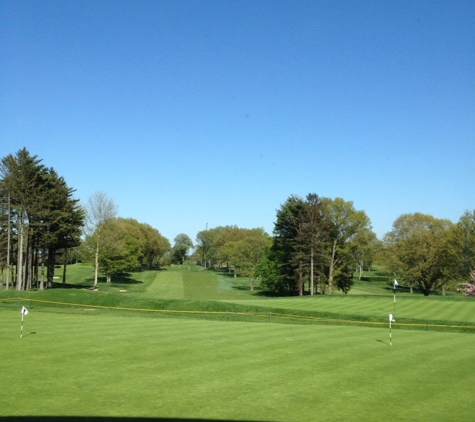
{"x":188,"y":288}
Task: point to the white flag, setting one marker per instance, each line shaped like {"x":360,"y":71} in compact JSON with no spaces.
{"x":395,"y":283}
{"x":391,"y":318}
{"x":24,"y":311}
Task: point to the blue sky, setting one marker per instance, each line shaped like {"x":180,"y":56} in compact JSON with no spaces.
{"x":195,"y":113}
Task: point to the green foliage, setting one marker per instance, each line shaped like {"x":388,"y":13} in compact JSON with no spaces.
{"x":319,"y":240}
{"x":181,"y":248}
{"x":462,"y":246}
{"x":122,"y":246}
{"x":418,"y":249}
{"x":41,"y":216}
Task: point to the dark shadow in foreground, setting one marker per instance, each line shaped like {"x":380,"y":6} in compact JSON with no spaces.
{"x":105,"y":419}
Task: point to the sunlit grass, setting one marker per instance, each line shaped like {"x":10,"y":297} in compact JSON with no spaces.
{"x":108,"y":365}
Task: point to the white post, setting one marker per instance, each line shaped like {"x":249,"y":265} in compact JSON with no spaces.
{"x":391,"y":319}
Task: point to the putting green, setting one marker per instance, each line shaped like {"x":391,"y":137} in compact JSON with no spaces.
{"x":102,"y":364}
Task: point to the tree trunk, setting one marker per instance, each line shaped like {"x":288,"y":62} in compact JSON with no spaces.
{"x":8,"y":245}
{"x":19,"y":264}
{"x":50,"y":267}
{"x":311,"y":272}
{"x":35,"y":267}
{"x":42,"y":278}
{"x":28,"y":264}
{"x":332,"y":266}
{"x":96,"y":263}
{"x":65,"y":264}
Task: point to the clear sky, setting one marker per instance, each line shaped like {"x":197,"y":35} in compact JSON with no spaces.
{"x":195,"y":113}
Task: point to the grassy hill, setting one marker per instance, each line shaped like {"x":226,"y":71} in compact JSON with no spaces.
{"x":190,"y":291}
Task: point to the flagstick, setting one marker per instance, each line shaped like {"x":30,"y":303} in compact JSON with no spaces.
{"x":21,"y":329}
{"x":390,"y":334}
{"x":394,"y":299}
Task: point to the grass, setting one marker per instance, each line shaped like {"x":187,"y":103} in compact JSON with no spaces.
{"x":108,"y":365}
{"x":191,"y":348}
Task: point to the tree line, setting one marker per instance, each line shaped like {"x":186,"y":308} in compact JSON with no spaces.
{"x":316,"y":246}
{"x":39,"y":217}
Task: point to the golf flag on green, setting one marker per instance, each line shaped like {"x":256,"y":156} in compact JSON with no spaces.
{"x":391,"y":319}
{"x":24,"y":312}
{"x":395,"y":283}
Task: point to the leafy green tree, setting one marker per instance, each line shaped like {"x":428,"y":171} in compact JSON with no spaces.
{"x":206,"y":246}
{"x":316,"y":239}
{"x":181,"y":248}
{"x":268,"y":272}
{"x":244,"y":252}
{"x":155,"y":245}
{"x":463,"y":246}
{"x":346,"y":228}
{"x":417,"y":249}
{"x":122,"y":246}
{"x":365,"y":244}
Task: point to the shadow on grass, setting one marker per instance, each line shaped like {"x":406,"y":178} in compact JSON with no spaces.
{"x":103,"y":419}
{"x":117,"y":279}
{"x":85,"y":285}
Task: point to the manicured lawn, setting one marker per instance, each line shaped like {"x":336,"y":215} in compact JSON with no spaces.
{"x":191,"y":282}
{"x":419,"y":307}
{"x":109,"y":365}
{"x":86,"y":353}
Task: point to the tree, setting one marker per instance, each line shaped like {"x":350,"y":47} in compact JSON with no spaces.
{"x":312,"y":230}
{"x":346,"y":232}
{"x":99,"y":210}
{"x":316,"y":239}
{"x":41,"y":215}
{"x":155,"y":245}
{"x":205,"y":247}
{"x":122,"y":246}
{"x":245,"y":251}
{"x":268,"y":272}
{"x":21,"y":177}
{"x":181,"y":248}
{"x":285,"y":248}
{"x":365,"y":245}
{"x":61,"y":224}
{"x":463,"y":243}
{"x":468,"y":289}
{"x":5,"y":235}
{"x":417,"y":249}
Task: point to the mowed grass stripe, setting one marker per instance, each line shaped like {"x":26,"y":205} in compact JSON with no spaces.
{"x":210,"y":285}
{"x":418,"y":308}
{"x":132,"y":366}
{"x":167,"y":285}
